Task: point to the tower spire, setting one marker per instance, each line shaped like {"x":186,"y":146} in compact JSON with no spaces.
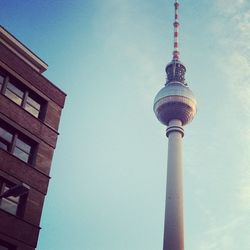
{"x":176,"y":52}
{"x":175,"y":69}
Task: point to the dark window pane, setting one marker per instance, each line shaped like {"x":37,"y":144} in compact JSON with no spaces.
{"x":21,"y":154}
{"x":15,"y":90}
{"x":1,"y":79}
{"x":32,"y":110}
{"x":23,"y":146}
{"x":9,"y":206}
{"x":3,"y":146}
{"x":14,"y":199}
{"x":6,"y":188}
{"x":13,"y":97}
{"x":3,"y":248}
{"x":33,"y":103}
{"x":11,"y":198}
{"x":5,"y":135}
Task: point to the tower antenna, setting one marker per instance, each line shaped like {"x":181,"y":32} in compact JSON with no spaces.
{"x":176,"y":52}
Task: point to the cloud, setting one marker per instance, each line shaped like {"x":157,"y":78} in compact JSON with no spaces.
{"x":221,"y":236}
{"x":228,"y":7}
{"x":231,"y":27}
{"x":131,"y":42}
{"x":236,"y":67}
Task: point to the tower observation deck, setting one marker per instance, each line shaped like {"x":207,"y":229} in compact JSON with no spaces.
{"x":175,"y":106}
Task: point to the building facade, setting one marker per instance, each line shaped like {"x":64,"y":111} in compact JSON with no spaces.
{"x":30,"y":110}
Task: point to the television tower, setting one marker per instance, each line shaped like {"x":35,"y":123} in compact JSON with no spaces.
{"x":174,"y":106}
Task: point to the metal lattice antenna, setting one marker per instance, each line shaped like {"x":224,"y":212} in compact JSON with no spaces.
{"x":176,"y":52}
{"x":175,"y":69}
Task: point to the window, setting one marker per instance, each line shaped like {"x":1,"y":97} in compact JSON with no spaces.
{"x":14,"y":93}
{"x":5,"y":246}
{"x":11,"y":204}
{"x":16,"y":143}
{"x":22,"y":150}
{"x":32,"y":106}
{"x":1,"y":80}
{"x":22,"y":96}
{"x":5,"y":139}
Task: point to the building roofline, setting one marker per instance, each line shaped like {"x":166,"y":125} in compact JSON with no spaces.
{"x":22,"y":51}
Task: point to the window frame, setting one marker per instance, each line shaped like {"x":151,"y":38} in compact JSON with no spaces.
{"x":27,"y":93}
{"x":3,"y":76}
{"x":3,"y":187}
{"x":13,"y":90}
{"x":22,"y":199}
{"x":12,"y":145}
{"x":4,"y":141}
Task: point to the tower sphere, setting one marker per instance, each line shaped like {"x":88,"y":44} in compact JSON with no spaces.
{"x":175,"y":102}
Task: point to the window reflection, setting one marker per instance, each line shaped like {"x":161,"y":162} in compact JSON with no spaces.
{"x":22,"y":96}
{"x":16,"y":143}
{"x":5,"y":135}
{"x":15,"y":90}
{"x":13,"y":97}
{"x":33,"y":103}
{"x":3,"y":146}
{"x":23,"y":146}
{"x":1,"y":84}
{"x":21,"y":154}
{"x":1,"y":79}
{"x":9,"y":204}
{"x":32,"y":110}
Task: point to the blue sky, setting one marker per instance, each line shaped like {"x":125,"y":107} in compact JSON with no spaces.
{"x":107,"y":190}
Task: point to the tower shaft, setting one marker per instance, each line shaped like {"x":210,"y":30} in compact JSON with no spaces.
{"x":173,"y":228}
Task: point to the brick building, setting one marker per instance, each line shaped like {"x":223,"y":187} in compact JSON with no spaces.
{"x":30,"y":109}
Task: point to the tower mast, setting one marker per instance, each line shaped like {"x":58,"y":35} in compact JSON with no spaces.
{"x":176,"y":52}
{"x":174,"y":106}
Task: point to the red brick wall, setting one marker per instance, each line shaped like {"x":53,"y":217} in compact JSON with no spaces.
{"x":27,"y":121}
{"x":44,"y":158}
{"x":20,"y":245}
{"x":35,"y":78}
{"x":53,"y":115}
{"x":23,"y":232}
{"x":24,"y":173}
{"x":18,"y":229}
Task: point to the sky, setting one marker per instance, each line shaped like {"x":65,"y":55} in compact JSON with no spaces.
{"x":107,"y":190}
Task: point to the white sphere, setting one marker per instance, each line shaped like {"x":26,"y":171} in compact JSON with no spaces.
{"x":175,"y":102}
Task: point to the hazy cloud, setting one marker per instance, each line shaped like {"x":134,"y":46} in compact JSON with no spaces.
{"x":236,"y":66}
{"x":232,"y":29}
{"x":229,"y":6}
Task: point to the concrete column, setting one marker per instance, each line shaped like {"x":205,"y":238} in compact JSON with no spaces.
{"x":173,"y":229}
